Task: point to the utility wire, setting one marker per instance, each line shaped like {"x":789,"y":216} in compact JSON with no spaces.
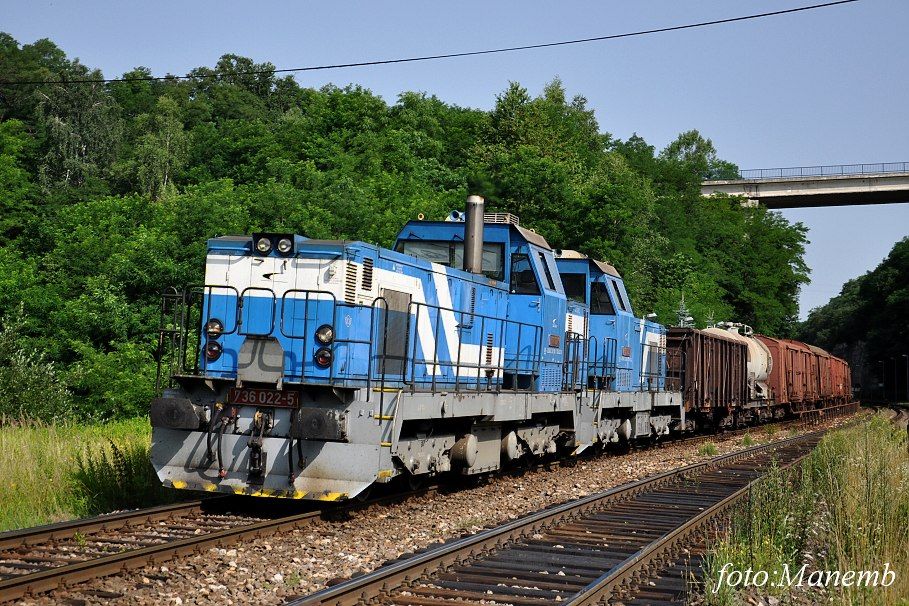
{"x":509,"y":49}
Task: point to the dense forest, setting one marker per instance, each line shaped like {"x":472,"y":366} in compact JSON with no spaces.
{"x":868,"y":324}
{"x":109,"y":190}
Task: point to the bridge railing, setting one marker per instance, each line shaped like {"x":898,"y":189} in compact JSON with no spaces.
{"x":823,"y":171}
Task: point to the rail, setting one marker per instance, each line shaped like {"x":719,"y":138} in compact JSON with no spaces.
{"x":34,"y":551}
{"x":548,"y":540}
{"x":835,"y":170}
{"x":145,"y":537}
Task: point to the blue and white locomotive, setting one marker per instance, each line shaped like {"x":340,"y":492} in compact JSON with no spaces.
{"x":314,"y":368}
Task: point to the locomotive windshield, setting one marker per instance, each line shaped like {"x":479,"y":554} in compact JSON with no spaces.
{"x":618,"y":296}
{"x":451,"y":254}
{"x":575,"y":287}
{"x":523,"y":280}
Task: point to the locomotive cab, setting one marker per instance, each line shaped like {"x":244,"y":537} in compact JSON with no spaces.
{"x":627,"y":353}
{"x":625,"y":356}
{"x":523,"y":263}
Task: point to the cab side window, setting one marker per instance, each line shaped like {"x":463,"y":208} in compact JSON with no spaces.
{"x":599,"y":300}
{"x":523,"y":280}
{"x":618,"y":295}
{"x":549,"y":281}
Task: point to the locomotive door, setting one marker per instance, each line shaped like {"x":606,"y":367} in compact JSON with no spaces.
{"x":536,"y":323}
{"x":523,"y":323}
{"x":629,"y":340}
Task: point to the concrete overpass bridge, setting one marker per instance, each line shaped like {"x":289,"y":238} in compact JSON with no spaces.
{"x":814,"y":186}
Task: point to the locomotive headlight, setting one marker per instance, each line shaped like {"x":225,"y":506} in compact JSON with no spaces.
{"x":263,"y":245}
{"x":285,"y":245}
{"x":214,"y":328}
{"x":212,"y":351}
{"x":323,"y":357}
{"x":325,"y":334}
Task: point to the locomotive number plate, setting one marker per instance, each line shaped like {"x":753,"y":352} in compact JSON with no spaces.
{"x":263,"y":397}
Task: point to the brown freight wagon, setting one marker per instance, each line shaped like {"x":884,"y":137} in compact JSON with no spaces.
{"x":712,"y":369}
{"x":802,"y":363}
{"x":841,"y":380}
{"x":779,"y":371}
{"x":822,"y":380}
{"x":794,"y":365}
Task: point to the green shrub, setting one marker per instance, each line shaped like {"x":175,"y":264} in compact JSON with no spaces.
{"x":708,"y":449}
{"x":115,"y":384}
{"x":31,"y":386}
{"x":118,"y":477}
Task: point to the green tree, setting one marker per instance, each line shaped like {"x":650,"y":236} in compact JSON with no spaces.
{"x":81,"y":130}
{"x":162,"y":150}
{"x":17,"y":199}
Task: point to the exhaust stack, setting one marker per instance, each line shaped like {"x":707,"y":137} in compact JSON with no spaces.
{"x":473,"y":235}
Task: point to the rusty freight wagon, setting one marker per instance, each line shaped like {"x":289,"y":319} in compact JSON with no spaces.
{"x":834,"y":378}
{"x":779,"y":372}
{"x":822,"y":379}
{"x":841,"y":378}
{"x":803,"y":376}
{"x":801,"y":363}
{"x":713,"y":371}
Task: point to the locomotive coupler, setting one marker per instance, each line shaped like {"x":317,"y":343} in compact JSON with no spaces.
{"x":257,"y":457}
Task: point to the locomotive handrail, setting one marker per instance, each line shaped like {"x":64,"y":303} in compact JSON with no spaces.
{"x":168,"y":335}
{"x":415,"y":309}
{"x":189,"y":293}
{"x":583,"y":357}
{"x":384,"y":356}
{"x":306,"y":300}
{"x":652,"y":378}
{"x":240,"y":306}
{"x":602,"y":366}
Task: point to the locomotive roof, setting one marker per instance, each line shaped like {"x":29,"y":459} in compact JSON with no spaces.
{"x":527,"y":234}
{"x":603,"y":266}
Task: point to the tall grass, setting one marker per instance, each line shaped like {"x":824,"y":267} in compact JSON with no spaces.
{"x":769,"y":530}
{"x":53,"y":472}
{"x":862,"y":476}
{"x":846,"y":508}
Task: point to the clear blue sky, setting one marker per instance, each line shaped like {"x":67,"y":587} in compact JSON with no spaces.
{"x":820,"y":87}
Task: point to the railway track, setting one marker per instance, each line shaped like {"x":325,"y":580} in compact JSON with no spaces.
{"x":45,"y":558}
{"x":590,"y":551}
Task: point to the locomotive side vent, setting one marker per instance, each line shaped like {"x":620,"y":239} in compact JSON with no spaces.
{"x":367,"y":274}
{"x":489,"y":343}
{"x":350,"y":283}
{"x":570,"y":327}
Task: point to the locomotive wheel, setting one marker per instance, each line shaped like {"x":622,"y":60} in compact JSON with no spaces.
{"x":364,"y":495}
{"x":415,"y":482}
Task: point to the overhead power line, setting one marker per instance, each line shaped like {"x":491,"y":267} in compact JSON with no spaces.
{"x":491,"y":51}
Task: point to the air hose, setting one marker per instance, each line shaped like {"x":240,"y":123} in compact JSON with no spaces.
{"x":290,"y":449}
{"x":217,"y":412}
{"x":222,"y":473}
